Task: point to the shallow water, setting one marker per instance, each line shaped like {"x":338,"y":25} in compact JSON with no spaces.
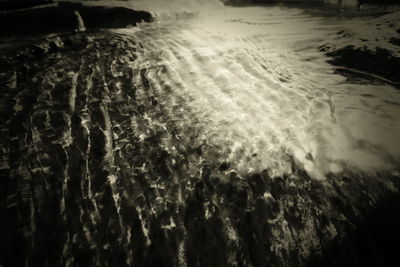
{"x":251,"y":83}
{"x":162,"y":145}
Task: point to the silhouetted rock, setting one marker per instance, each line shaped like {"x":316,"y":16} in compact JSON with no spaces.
{"x":380,"y":62}
{"x":372,"y":49}
{"x":61,"y":17}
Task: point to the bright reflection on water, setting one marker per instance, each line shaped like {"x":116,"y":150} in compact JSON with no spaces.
{"x":251,"y":83}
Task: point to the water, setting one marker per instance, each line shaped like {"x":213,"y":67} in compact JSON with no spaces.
{"x":251,"y":83}
{"x":149,"y":146}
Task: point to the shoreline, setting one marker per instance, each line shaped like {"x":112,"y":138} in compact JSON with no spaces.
{"x":98,"y":172}
{"x":59,"y":17}
{"x":373,"y":53}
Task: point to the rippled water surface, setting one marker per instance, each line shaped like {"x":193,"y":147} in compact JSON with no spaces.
{"x":251,"y":83}
{"x":183,"y":142}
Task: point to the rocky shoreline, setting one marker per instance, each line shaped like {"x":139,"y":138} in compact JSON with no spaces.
{"x":59,"y":17}
{"x":368,"y":49}
{"x":15,"y":52}
{"x":95,"y":172}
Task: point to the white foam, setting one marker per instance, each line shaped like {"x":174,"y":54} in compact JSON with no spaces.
{"x":254,"y":81}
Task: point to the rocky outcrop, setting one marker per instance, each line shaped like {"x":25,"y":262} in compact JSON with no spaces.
{"x":380,"y":62}
{"x":60,"y":18}
{"x":370,"y":49}
{"x":15,"y":52}
{"x":97,"y":170}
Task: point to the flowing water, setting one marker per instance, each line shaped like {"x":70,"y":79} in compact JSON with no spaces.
{"x":190,"y":141}
{"x":252,"y":82}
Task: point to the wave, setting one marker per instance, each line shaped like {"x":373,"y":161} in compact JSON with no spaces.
{"x":264,"y":95}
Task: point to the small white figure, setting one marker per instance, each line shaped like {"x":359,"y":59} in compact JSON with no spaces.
{"x":80,"y":26}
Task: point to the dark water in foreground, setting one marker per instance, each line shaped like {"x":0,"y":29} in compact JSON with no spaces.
{"x":221,"y":140}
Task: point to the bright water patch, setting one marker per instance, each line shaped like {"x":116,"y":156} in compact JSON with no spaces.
{"x":251,"y":83}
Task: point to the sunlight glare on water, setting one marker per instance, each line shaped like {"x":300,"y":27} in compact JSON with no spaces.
{"x":253,"y":84}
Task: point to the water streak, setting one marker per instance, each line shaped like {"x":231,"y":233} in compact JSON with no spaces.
{"x":256,"y":85}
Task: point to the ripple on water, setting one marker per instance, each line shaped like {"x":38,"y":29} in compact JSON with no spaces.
{"x":249,"y":93}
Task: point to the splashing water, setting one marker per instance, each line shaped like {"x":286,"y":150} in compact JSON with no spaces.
{"x":254,"y":84}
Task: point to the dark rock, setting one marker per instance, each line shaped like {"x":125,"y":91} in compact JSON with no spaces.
{"x":60,"y":18}
{"x":395,"y":41}
{"x":378,"y":2}
{"x":380,"y":61}
{"x":224,"y":166}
